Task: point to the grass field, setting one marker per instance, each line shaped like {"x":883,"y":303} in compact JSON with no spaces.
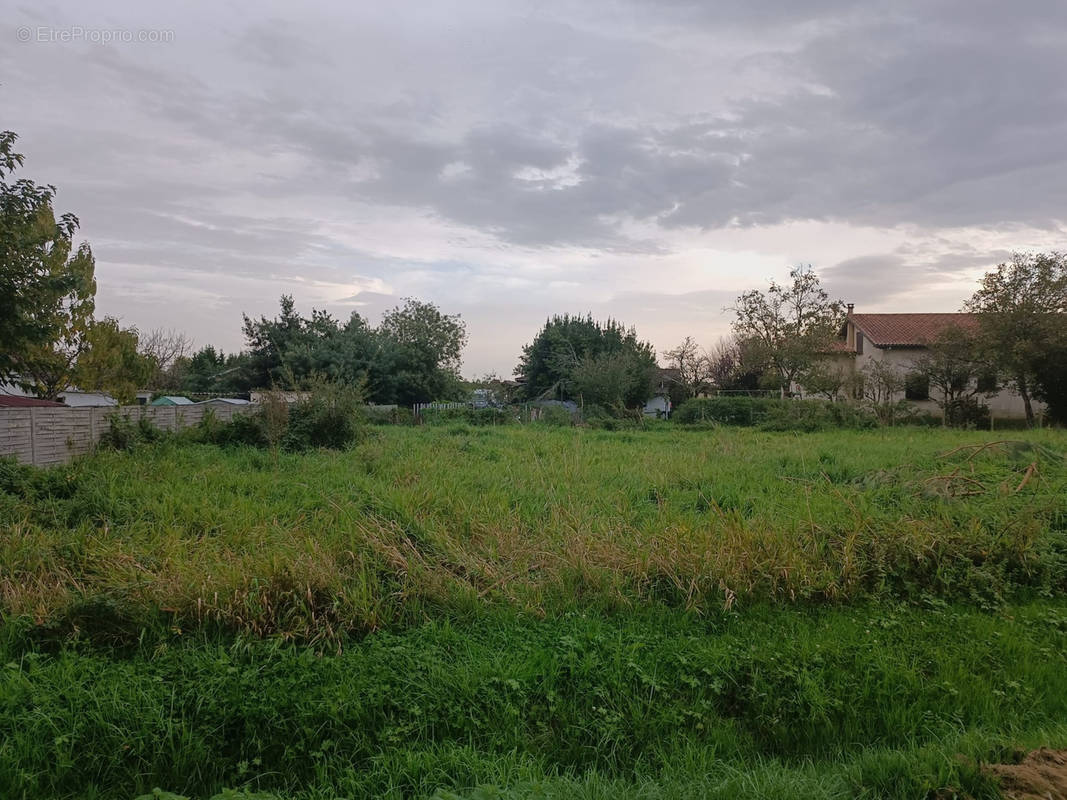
{"x":537,"y":612}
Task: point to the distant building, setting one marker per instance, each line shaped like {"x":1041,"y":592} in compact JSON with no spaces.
{"x":72,"y":397}
{"x":12,"y":401}
{"x":900,"y":340}
{"x":223,"y":402}
{"x":171,"y":400}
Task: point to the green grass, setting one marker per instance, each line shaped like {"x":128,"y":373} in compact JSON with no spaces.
{"x":523,"y":612}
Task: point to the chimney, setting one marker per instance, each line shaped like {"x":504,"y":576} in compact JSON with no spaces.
{"x":849,"y":307}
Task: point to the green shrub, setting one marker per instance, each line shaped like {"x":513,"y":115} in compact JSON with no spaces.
{"x":330,"y":416}
{"x":967,"y":413}
{"x":469,"y":415}
{"x":401,"y":415}
{"x":725,"y":410}
{"x":555,"y":416}
{"x":773,"y":414}
{"x":816,"y":415}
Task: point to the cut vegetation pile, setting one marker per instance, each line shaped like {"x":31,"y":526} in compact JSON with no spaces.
{"x":552,"y":612}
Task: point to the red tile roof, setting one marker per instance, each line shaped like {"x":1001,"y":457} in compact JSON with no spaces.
{"x":12,"y":401}
{"x":909,"y":330}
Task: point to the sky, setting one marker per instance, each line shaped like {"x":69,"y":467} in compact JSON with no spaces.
{"x":646,"y":161}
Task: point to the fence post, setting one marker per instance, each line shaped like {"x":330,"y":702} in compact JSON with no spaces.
{"x":33,"y":436}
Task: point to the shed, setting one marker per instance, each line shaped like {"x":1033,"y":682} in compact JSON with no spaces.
{"x":171,"y":400}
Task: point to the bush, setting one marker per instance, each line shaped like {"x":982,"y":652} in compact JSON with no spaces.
{"x":469,"y":415}
{"x":555,"y":416}
{"x":725,"y":410}
{"x":329,"y":416}
{"x":967,"y":413}
{"x":775,"y":414}
{"x":401,"y":415}
{"x":816,"y":415}
{"x":125,"y":434}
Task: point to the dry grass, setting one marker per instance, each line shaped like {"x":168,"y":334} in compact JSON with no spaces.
{"x":418,"y":522}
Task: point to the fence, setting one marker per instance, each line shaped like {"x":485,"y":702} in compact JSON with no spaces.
{"x":47,"y":435}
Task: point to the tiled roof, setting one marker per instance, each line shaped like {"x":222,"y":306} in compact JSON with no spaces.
{"x":13,"y":401}
{"x":909,"y":330}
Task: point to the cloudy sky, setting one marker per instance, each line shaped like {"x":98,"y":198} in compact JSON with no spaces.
{"x":509,"y":160}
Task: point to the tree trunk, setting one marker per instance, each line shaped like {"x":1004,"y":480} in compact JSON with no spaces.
{"x":1024,"y":392}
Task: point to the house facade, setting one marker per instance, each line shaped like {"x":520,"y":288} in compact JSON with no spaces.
{"x":901,"y":339}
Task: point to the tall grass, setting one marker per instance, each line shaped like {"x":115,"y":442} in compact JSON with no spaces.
{"x":483,"y":612}
{"x":875,"y":700}
{"x":445,"y":520}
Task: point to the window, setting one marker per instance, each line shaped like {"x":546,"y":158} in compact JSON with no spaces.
{"x":859,"y":343}
{"x":916,"y":387}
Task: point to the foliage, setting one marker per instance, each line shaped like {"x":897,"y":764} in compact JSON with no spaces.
{"x":724,"y":410}
{"x":770,"y":703}
{"x":469,"y":415}
{"x":570,"y":354}
{"x":618,"y":379}
{"x":966,"y":412}
{"x":695,"y":368}
{"x":168,"y":350}
{"x":788,"y":327}
{"x":1021,"y":306}
{"x":112,"y":362}
{"x":1052,"y":382}
{"x":952,"y":364}
{"x":566,"y":611}
{"x":46,"y":283}
{"x":829,"y":378}
{"x":773,"y":414}
{"x":881,"y":383}
{"x":211,"y":371}
{"x":413,"y":356}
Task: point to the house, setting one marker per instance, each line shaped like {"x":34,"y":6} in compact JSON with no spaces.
{"x":71,"y":397}
{"x":667,"y":382}
{"x":13,"y":401}
{"x":223,"y":402}
{"x":171,"y":400}
{"x":900,"y":340}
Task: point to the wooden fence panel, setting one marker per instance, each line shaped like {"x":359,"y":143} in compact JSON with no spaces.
{"x":46,"y":435}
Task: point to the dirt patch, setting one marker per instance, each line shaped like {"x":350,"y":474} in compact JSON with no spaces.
{"x":1041,"y":775}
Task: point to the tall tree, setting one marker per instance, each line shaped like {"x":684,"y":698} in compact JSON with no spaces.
{"x":169,"y":351}
{"x":568,"y":347}
{"x":47,"y":284}
{"x":111,"y":361}
{"x":789,"y":326}
{"x":952,"y":365}
{"x":427,"y":348}
{"x":693,"y":367}
{"x":1021,"y":307}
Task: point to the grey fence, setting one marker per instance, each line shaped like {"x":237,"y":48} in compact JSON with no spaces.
{"x":49,"y":435}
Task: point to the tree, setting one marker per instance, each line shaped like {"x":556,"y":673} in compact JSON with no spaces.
{"x":568,"y":348}
{"x":692,"y":365}
{"x":413,"y":356}
{"x":1020,"y":307}
{"x":47,"y":285}
{"x":952,"y":366}
{"x":828,"y":378}
{"x":168,"y":350}
{"x":111,"y":361}
{"x":1052,"y":381}
{"x":616,"y":380}
{"x":880,"y":383}
{"x":427,"y":349}
{"x":788,"y":327}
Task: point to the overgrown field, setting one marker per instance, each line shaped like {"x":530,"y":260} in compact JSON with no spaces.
{"x":536,"y":612}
